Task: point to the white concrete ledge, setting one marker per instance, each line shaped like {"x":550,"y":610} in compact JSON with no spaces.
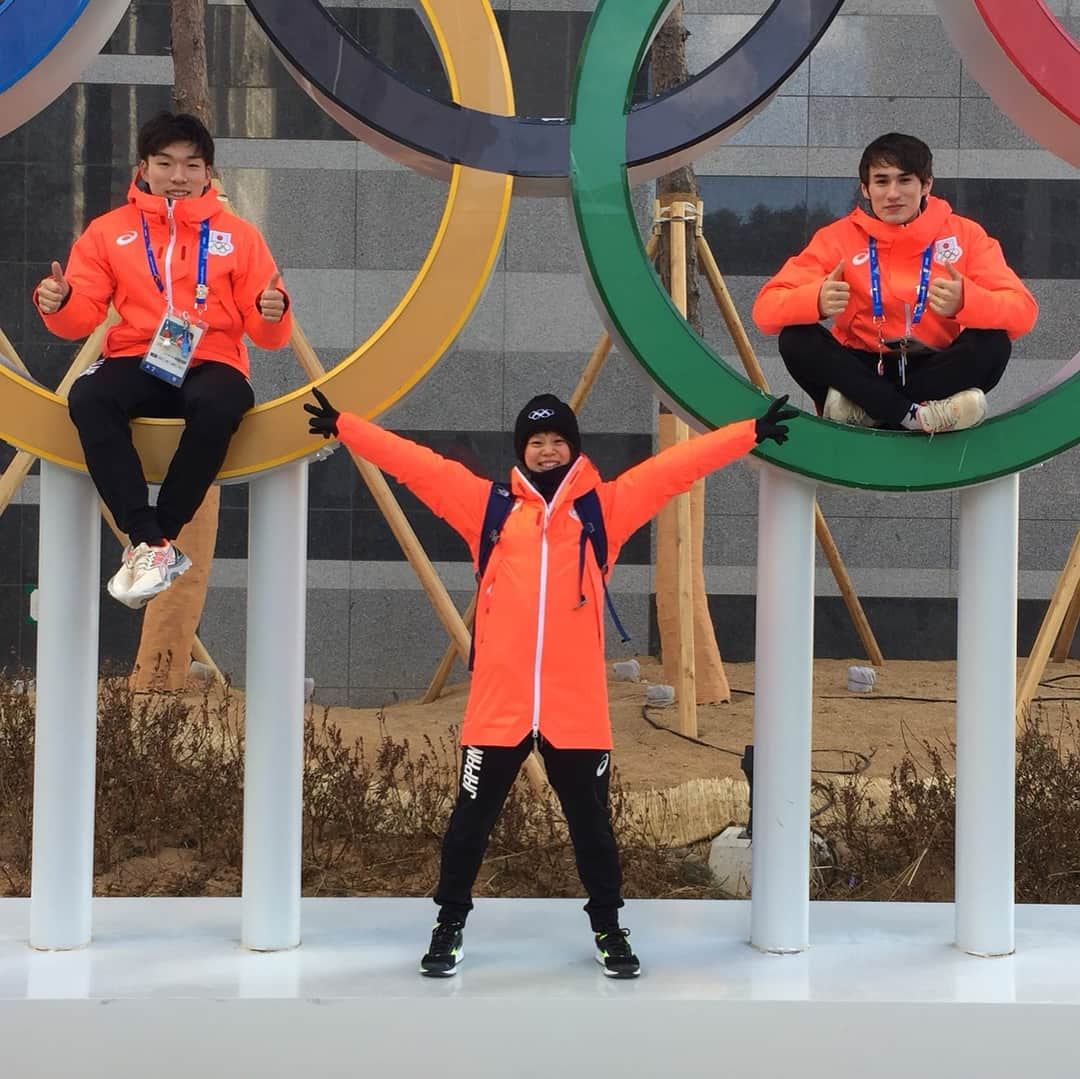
{"x":166,"y":990}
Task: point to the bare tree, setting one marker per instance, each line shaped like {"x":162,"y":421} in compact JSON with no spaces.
{"x":168,"y":629}
{"x":191,"y":88}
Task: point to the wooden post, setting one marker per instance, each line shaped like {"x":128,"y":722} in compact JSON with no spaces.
{"x":591,"y":373}
{"x":8,"y":349}
{"x":442,"y":672}
{"x":1060,"y":602}
{"x":1068,"y":629}
{"x":757,"y":376}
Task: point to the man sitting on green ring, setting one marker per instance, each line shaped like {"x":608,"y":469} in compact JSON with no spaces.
{"x":924,"y":308}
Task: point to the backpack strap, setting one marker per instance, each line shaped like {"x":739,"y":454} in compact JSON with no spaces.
{"x":499,"y":504}
{"x":593,"y":531}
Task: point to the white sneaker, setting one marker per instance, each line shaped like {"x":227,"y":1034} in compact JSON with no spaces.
{"x":153,"y":570}
{"x":957,"y":413}
{"x":120,"y":582}
{"x":841,"y":410}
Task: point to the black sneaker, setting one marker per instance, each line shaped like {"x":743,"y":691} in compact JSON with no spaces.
{"x":445,"y":951}
{"x":614,"y":954}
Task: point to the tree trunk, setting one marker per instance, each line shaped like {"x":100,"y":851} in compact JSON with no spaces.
{"x":668,"y":71}
{"x":171,"y":621}
{"x":191,"y":85}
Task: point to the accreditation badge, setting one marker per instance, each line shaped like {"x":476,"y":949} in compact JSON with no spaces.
{"x":172,"y":346}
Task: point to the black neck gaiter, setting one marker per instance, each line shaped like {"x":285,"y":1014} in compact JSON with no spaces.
{"x":547,"y":482}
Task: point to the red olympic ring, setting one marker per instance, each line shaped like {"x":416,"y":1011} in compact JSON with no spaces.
{"x":1026,"y":61}
{"x":1041,"y":49}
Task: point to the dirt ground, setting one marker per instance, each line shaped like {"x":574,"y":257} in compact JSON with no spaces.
{"x":913,"y":702}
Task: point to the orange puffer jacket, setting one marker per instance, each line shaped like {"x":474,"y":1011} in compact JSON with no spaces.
{"x":994,"y":297}
{"x":539,"y":655}
{"x":108,"y":264}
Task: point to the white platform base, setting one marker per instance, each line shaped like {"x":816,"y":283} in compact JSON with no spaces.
{"x":165,"y":990}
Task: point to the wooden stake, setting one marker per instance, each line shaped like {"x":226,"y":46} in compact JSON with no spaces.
{"x":442,"y":672}
{"x":8,"y":349}
{"x":821,"y":528}
{"x":1068,"y":629}
{"x":1060,"y":603}
{"x":591,"y":373}
{"x":12,"y":478}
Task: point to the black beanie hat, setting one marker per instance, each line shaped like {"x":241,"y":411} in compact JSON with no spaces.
{"x":546,"y":413}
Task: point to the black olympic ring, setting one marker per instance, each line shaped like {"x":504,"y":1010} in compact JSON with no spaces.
{"x":418,"y":129}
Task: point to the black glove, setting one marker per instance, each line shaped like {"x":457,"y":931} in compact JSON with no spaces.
{"x":772,"y":424}
{"x":324,"y":418}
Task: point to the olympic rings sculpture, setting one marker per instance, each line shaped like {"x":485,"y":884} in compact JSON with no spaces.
{"x":603,"y":146}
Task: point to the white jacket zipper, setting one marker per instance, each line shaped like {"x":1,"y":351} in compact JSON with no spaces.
{"x":542,"y":598}
{"x":168,"y":255}
{"x":540,"y":621}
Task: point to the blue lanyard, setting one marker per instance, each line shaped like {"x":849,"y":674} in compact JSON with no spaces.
{"x":201,"y":290}
{"x":875,"y":284}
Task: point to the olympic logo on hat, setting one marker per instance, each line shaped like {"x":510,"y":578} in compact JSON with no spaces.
{"x":541,"y":414}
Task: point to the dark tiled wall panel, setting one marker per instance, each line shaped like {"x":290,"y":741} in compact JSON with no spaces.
{"x":757,"y":222}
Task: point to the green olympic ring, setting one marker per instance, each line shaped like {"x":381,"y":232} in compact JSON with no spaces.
{"x":694,"y":380}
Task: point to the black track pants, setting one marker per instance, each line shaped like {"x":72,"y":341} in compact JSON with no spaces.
{"x":102,"y":403}
{"x":580,"y":779}
{"x":816,"y":360}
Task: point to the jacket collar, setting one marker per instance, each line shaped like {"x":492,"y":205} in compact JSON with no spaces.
{"x":185,"y":211}
{"x":582,"y":477}
{"x":915,"y":234}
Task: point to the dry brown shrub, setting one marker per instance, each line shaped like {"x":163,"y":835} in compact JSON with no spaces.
{"x":905,"y":850}
{"x":170,"y":800}
{"x":169,"y":807}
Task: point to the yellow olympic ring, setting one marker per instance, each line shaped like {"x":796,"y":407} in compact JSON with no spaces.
{"x":405,"y":346}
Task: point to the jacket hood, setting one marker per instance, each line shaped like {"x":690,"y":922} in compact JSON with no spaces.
{"x":918,"y":233}
{"x":582,"y":477}
{"x":185,"y":211}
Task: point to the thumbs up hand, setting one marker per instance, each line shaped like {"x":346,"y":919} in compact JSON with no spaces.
{"x":946,"y":295}
{"x":52,"y":291}
{"x":271,"y":301}
{"x":835,"y":293}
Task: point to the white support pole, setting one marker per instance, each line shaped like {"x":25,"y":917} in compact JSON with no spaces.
{"x":985,"y":717}
{"x":783,"y":684}
{"x":69,"y":566}
{"x":274,"y":725}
